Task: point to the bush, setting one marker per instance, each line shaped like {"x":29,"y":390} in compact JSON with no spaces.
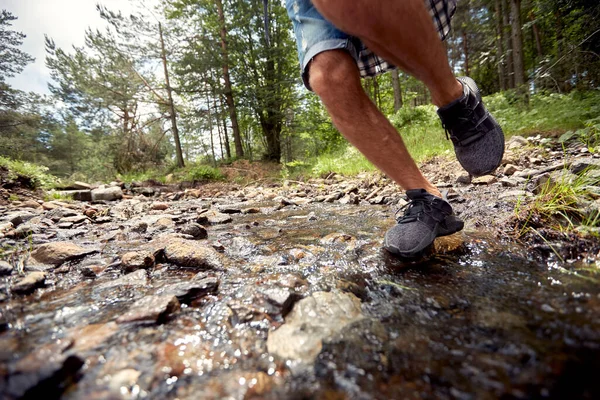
{"x":34,"y":176}
{"x":203,"y":173}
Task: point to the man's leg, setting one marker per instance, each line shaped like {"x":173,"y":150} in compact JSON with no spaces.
{"x":335,"y":78}
{"x":402,"y":32}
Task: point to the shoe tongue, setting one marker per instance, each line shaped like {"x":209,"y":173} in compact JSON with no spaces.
{"x":417,"y":194}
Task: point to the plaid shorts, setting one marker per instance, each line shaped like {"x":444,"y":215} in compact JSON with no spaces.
{"x":315,"y":35}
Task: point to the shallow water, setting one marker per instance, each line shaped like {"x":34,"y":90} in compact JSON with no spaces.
{"x":476,"y":319}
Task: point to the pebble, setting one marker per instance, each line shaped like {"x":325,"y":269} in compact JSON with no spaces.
{"x":151,"y":309}
{"x":29,"y":283}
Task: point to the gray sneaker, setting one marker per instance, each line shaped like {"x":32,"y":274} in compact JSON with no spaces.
{"x":478,"y":139}
{"x":426,"y":217}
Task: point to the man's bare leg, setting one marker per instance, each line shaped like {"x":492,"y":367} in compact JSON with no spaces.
{"x":335,"y":78}
{"x":403,"y":33}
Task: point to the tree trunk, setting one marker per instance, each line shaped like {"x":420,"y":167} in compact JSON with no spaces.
{"x":210,"y":127}
{"x":537,"y":37}
{"x":508,"y":46}
{"x":397,"y":90}
{"x":239,"y":150}
{"x":517,"y":42}
{"x":465,"y":36}
{"x":178,"y":152}
{"x":227,"y":150}
{"x":225,"y":133}
{"x":500,"y":46}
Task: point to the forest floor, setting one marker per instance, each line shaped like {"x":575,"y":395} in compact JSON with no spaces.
{"x":268,"y":289}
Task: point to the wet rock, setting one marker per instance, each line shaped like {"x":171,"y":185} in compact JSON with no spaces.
{"x":195,"y":230}
{"x":159,"y":206}
{"x":91,"y":336}
{"x":64,"y":225}
{"x":18,"y":218}
{"x":136,"y":278}
{"x":230,"y":209}
{"x":135,"y":260}
{"x":107,"y":194}
{"x":191,"y":254}
{"x":56,"y":253}
{"x":26,"y":230}
{"x":282,"y":298}
{"x":250,"y":210}
{"x":484,"y":180}
{"x":76,"y":219}
{"x":44,"y":373}
{"x":313,"y":321}
{"x":151,"y":309}
{"x":187,"y":292}
{"x":5,"y":268}
{"x":213,"y":218}
{"x":241,"y":247}
{"x":124,"y":379}
{"x":29,"y":283}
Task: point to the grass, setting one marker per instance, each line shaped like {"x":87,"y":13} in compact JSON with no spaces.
{"x":49,"y":196}
{"x":34,"y":176}
{"x":558,"y":205}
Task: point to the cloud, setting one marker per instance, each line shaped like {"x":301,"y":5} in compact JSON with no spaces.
{"x":65,"y":21}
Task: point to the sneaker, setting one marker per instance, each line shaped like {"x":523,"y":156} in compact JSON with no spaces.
{"x":426,"y":217}
{"x":478,"y":139}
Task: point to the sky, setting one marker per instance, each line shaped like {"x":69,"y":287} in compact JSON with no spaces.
{"x":65,"y":21}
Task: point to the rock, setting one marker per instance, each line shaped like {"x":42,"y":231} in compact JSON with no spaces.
{"x":151,"y":309}
{"x":195,"y":230}
{"x":30,"y":204}
{"x":583,"y":164}
{"x":107,"y":194}
{"x":516,"y":142}
{"x":507,"y":182}
{"x":18,"y":218}
{"x":334,"y":196}
{"x":26,"y":230}
{"x":56,"y":253}
{"x":509,"y":169}
{"x":78,"y":195}
{"x":159,"y":206}
{"x":5,"y":268}
{"x":313,"y":321}
{"x":187,"y":292}
{"x":81,"y":185}
{"x":76,"y":219}
{"x":91,"y":336}
{"x":136,"y":278}
{"x":135,"y":260}
{"x":282,"y":298}
{"x":514,"y":194}
{"x":64,"y":225}
{"x":29,"y":283}
{"x":230,"y":209}
{"x":484,"y":180}
{"x":465,"y":179}
{"x":44,"y":373}
{"x":250,"y":210}
{"x":124,"y":379}
{"x":191,"y":254}
{"x":241,"y":247}
{"x":213,"y":218}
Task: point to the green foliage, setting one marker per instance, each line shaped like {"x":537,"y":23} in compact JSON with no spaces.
{"x":547,"y":112}
{"x":348,"y":162}
{"x":58,"y":196}
{"x":421,"y":131}
{"x":12,"y":59}
{"x":202,"y":173}
{"x":35,"y":175}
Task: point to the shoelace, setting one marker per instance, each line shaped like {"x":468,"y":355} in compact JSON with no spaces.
{"x":458,"y":122}
{"x":414,"y":209}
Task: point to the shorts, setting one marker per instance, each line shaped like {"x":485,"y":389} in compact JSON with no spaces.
{"x":314,"y":35}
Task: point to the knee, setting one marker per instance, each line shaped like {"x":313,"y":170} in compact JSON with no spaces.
{"x":332,"y":72}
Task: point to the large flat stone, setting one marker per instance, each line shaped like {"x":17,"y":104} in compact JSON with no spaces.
{"x":313,"y":321}
{"x":56,"y":253}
